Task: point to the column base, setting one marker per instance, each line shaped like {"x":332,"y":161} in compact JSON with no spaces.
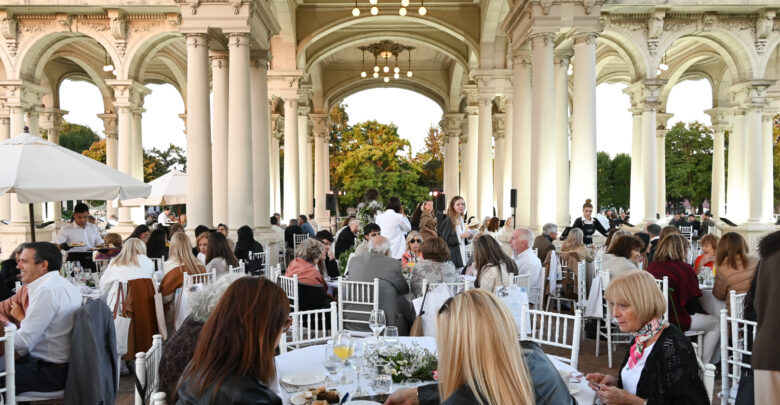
{"x":14,"y":234}
{"x":752,"y":232}
{"x":124,"y":229}
{"x":270,"y":240}
{"x":324,"y":223}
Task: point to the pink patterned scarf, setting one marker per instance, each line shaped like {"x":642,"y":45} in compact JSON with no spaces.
{"x":646,"y":333}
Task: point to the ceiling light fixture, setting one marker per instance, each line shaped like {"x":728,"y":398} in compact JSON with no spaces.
{"x":422,"y":10}
{"x":402,"y":11}
{"x":374,"y":10}
{"x":387,"y":49}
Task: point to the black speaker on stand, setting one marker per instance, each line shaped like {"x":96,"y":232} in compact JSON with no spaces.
{"x":440,"y":204}
{"x":513,"y":204}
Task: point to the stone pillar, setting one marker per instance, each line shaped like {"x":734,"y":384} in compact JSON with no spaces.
{"x":33,"y":121}
{"x":321,"y":167}
{"x":451,"y":160}
{"x":637,"y":199}
{"x":584,"y":169}
{"x":20,"y":214}
{"x":219,"y":135}
{"x":735,"y":190}
{"x":302,"y":159}
{"x":561,"y":140}
{"x":499,"y":170}
{"x":649,"y":160}
{"x":5,"y":199}
{"x":485,"y":158}
{"x":720,"y":123}
{"x":662,"y":118}
{"x":472,"y":201}
{"x":754,"y":164}
{"x":240,"y":182}
{"x":199,"y":180}
{"x":112,"y":153}
{"x":767,"y":122}
{"x":310,"y":173}
{"x":261,"y":133}
{"x":125,"y":158}
{"x":521,"y":135}
{"x":51,"y":120}
{"x":506,"y":185}
{"x":464,"y":157}
{"x":274,"y":156}
{"x":291,"y":177}
{"x":137,"y":145}
{"x":542,"y":125}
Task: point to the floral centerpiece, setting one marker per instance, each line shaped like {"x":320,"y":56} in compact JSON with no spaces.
{"x":406,"y":362}
{"x":366,"y":212}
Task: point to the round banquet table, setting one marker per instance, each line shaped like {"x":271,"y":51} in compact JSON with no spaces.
{"x":711,"y":304}
{"x":311,"y":358}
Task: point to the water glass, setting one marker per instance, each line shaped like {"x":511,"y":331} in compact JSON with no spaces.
{"x":376,"y":322}
{"x":383,"y":380}
{"x":391,"y":335}
{"x":332,"y":363}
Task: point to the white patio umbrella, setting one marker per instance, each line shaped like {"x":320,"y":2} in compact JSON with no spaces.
{"x":39,"y":171}
{"x":168,"y":189}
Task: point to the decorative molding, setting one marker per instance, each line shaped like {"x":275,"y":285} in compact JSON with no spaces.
{"x":546,"y":5}
{"x":590,"y":37}
{"x":236,"y":39}
{"x":95,"y":25}
{"x":64,"y":20}
{"x":196,"y":40}
{"x":588,"y":5}
{"x":655,"y":24}
{"x":9,"y":27}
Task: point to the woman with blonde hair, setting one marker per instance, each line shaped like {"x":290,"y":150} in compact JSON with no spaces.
{"x":413,"y":254}
{"x":130,"y":264}
{"x":734,"y":268}
{"x":574,"y":245}
{"x":660,"y":366}
{"x":181,"y":261}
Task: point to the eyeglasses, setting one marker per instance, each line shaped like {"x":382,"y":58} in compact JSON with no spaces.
{"x":415,"y":241}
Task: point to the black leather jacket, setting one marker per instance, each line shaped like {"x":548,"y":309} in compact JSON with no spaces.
{"x":244,"y":390}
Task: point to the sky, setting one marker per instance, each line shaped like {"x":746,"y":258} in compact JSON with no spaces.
{"x":411,"y":112}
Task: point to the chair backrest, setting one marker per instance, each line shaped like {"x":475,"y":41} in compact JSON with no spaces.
{"x":663,"y":285}
{"x":147,"y":366}
{"x":203,"y":278}
{"x":686,"y":230}
{"x":310,"y":327}
{"x":282,"y":259}
{"x":101,"y":265}
{"x":733,"y":351}
{"x":298,"y":238}
{"x":605,"y":278}
{"x":552,"y":328}
{"x":274,"y":272}
{"x":158,"y":263}
{"x":9,"y":374}
{"x":522,"y":280}
{"x":240,"y":269}
{"x":364,"y":294}
{"x":582,"y":284}
{"x":258,"y":262}
{"x":290,"y":287}
{"x":737,"y":304}
{"x":455,"y":288}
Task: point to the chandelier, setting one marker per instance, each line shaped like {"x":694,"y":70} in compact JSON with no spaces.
{"x":387,"y":50}
{"x":401,"y":11}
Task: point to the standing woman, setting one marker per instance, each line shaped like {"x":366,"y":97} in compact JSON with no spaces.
{"x":427,"y":221}
{"x":587,"y":224}
{"x":219,"y":255}
{"x":494,"y":267}
{"x":453,"y":230}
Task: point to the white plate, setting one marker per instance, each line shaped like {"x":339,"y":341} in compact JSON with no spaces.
{"x":303,"y":378}
{"x":362,"y":402}
{"x":298,"y":399}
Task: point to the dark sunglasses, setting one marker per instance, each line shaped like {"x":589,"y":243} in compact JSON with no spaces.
{"x":415,"y":241}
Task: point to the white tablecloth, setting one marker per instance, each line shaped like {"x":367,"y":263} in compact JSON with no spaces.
{"x":711,"y":304}
{"x":311,"y":359}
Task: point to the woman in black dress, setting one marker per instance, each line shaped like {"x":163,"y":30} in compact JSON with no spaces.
{"x":587,"y":224}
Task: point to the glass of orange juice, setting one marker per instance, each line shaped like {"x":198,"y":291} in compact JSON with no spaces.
{"x":343,"y":348}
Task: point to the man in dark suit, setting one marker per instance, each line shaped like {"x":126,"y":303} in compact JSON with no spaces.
{"x":655,"y":231}
{"x":544,"y":242}
{"x":377,"y":264}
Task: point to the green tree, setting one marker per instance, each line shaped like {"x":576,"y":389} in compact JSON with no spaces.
{"x":431,"y":160}
{"x":620,"y":180}
{"x":603,"y":182}
{"x":97,"y":151}
{"x":159,"y":162}
{"x":76,"y":137}
{"x":689,"y":163}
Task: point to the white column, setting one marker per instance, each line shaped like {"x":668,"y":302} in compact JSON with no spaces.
{"x":583,"y":136}
{"x":464,"y":159}
{"x":561,"y":162}
{"x":648,"y":161}
{"x":500,"y":164}
{"x":240,"y":182}
{"x":521,"y":134}
{"x":754,"y":166}
{"x":310,"y":174}
{"x":735,"y":191}
{"x":718,"y":195}
{"x":485,"y":158}
{"x":473,"y":158}
{"x":637,"y":199}
{"x":33,"y":121}
{"x":125,"y":158}
{"x":219,"y":134}
{"x":261,"y":132}
{"x":112,"y":152}
{"x":291,"y":179}
{"x":508,"y":157}
{"x":19,"y":212}
{"x":451,"y":161}
{"x":274,"y":156}
{"x":137,"y":145}
{"x":199,"y":180}
{"x":302,"y":161}
{"x":5,"y":199}
{"x":662,"y":118}
{"x":767,"y":121}
{"x":321,"y":166}
{"x":543,"y":124}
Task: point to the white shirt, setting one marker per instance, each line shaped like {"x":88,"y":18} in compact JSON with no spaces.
{"x":169,"y":265}
{"x":631,"y":377}
{"x":163,"y":219}
{"x":394,"y":227}
{"x":528,"y":263}
{"x":219,"y":265}
{"x":71,"y":234}
{"x":126,"y":273}
{"x":48,"y":324}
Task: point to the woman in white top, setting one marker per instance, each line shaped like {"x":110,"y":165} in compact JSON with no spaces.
{"x":202,"y":242}
{"x":219,"y":255}
{"x":130,"y":264}
{"x":453,"y":230}
{"x":394,"y":226}
{"x":619,"y":258}
{"x":494,"y":267}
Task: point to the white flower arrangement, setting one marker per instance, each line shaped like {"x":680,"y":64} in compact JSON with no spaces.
{"x":366,"y":213}
{"x":405,"y":362}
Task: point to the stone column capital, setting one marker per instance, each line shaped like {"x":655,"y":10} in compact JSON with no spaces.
{"x":720,"y":117}
{"x":128,"y":93}
{"x":542,"y":39}
{"x":197,"y":39}
{"x":51,"y":118}
{"x":499,"y":125}
{"x":750,"y":94}
{"x":589,"y":38}
{"x":523,"y":57}
{"x":238,"y":39}
{"x":562,"y":57}
{"x":109,"y":124}
{"x":219,"y":59}
{"x":472,"y":110}
{"x":661,"y":119}
{"x":303,"y":111}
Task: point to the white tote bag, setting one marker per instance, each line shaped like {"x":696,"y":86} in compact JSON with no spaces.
{"x":121,"y":323}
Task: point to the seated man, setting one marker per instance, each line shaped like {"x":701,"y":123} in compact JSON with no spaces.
{"x":544,"y":242}
{"x":392,"y":284}
{"x":370,"y":231}
{"x":43,"y":339}
{"x":345,"y":239}
{"x":527,"y":262}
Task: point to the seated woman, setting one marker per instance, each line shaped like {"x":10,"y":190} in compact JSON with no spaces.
{"x":619,"y":258}
{"x":660,"y":366}
{"x":233,"y":362}
{"x":202,"y":246}
{"x":219,"y":255}
{"x":734,"y":269}
{"x":435,"y":267}
{"x":574,"y":245}
{"x":141,"y":232}
{"x":412,"y":254}
{"x":130,"y":264}
{"x":181,"y":345}
{"x":157,"y":245}
{"x":114,"y":241}
{"x":494,"y":267}
{"x":330,"y":263}
{"x":246,"y":243}
{"x":709,"y":247}
{"x":686,"y":312}
{"x":181,"y":262}
{"x":307,"y":254}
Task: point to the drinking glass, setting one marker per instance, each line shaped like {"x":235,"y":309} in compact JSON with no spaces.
{"x":391,"y":335}
{"x":377,"y":322}
{"x":383,"y":381}
{"x":358,"y":361}
{"x":343,"y":349}
{"x":332,"y":363}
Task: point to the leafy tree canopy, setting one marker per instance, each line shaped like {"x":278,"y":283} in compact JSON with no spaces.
{"x":77,"y":137}
{"x":689,"y":163}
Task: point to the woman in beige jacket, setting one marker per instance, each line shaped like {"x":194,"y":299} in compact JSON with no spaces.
{"x":733,"y":267}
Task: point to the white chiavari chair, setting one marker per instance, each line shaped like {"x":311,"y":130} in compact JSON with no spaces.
{"x":737,"y":304}
{"x":455,"y":288}
{"x":605,"y":327}
{"x":356,"y":300}
{"x":258,"y":262}
{"x":158,"y":264}
{"x":101,"y":265}
{"x":663,"y":285}
{"x":240,"y":269}
{"x":522,"y":281}
{"x":554,"y":329}
{"x":290,"y":287}
{"x":274,"y":272}
{"x":555,"y":292}
{"x":147,"y":366}
{"x":310,"y":327}
{"x":733,"y":351}
{"x":159,"y":398}
{"x":9,"y":374}
{"x":298,"y":238}
{"x":191,"y":280}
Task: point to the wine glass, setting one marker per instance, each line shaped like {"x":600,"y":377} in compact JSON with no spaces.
{"x":377,"y":322}
{"x":391,"y":335}
{"x":358,"y":361}
{"x":343,"y":349}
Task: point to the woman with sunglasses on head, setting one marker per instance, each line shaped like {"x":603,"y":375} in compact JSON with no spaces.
{"x":234,"y":360}
{"x":413,"y":253}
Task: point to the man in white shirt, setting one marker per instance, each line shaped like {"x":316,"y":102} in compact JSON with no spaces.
{"x":42,"y":341}
{"x":163,"y":218}
{"x":394,"y":225}
{"x":79,"y":235}
{"x":527,"y":262}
